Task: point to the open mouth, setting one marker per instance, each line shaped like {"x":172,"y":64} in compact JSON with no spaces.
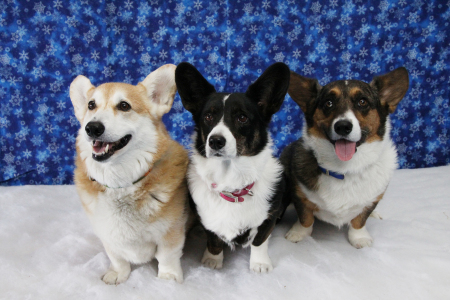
{"x":104,"y":150}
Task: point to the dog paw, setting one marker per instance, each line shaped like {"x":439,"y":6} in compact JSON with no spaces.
{"x":112,"y":277}
{"x":261,"y":267}
{"x":361,"y":243}
{"x":171,"y":276}
{"x":298,"y":232}
{"x":212,"y":261}
{"x":376,"y":215}
{"x":359,"y":238}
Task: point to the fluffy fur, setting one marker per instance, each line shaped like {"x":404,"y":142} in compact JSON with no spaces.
{"x":133,"y":189}
{"x":364,"y":111}
{"x":232,"y":149}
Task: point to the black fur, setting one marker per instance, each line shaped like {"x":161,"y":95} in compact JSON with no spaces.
{"x":261,"y":100}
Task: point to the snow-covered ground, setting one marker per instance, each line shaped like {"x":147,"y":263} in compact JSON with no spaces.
{"x":48,"y":251}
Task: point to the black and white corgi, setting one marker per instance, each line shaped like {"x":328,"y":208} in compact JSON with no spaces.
{"x":235,"y":182}
{"x":340,"y":168}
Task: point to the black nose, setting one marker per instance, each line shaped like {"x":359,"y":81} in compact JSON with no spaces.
{"x":217,"y":142}
{"x":343,"y":127}
{"x":94,"y":129}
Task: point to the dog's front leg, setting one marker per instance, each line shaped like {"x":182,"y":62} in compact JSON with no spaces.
{"x":168,"y":254}
{"x":358,"y":235}
{"x":305,"y":212}
{"x":260,"y":261}
{"x":119,"y":271}
{"x":213,"y":256}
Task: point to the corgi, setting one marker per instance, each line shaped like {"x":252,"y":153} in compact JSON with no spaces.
{"x":235,"y":182}
{"x":340,"y":168}
{"x":130,"y":175}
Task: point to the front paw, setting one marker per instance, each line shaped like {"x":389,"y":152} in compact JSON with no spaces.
{"x":177,"y":276}
{"x":212,"y":261}
{"x":361,"y":242}
{"x":112,"y":277}
{"x":298,"y":232}
{"x":359,"y":238}
{"x":261,"y":267}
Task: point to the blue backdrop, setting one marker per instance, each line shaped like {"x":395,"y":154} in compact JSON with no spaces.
{"x":45,"y":44}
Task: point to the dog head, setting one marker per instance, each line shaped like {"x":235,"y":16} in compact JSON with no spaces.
{"x":349,"y":113}
{"x":231,"y":125}
{"x":120,"y":122}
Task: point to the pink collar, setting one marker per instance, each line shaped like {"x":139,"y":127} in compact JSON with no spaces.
{"x":237,"y":195}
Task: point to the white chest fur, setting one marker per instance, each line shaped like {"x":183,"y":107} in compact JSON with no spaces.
{"x":339,"y":201}
{"x":125,"y":230}
{"x":229,"y":219}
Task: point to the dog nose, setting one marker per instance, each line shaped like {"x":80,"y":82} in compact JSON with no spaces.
{"x":94,"y":129}
{"x":343,"y":127}
{"x":217,"y":142}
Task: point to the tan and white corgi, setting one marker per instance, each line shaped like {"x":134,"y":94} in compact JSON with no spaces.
{"x":340,"y":168}
{"x":130,"y":175}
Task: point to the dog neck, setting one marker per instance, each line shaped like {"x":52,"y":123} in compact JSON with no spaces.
{"x":236,"y":173}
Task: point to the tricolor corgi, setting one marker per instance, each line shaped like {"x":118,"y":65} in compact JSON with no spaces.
{"x":235,"y":182}
{"x":340,"y":168}
{"x":130,"y":175}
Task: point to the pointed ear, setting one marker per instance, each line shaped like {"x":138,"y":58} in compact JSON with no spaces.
{"x":78,"y":91}
{"x":303,"y":90}
{"x":391,"y":87}
{"x":270,"y":89}
{"x":161,"y":89}
{"x":192,"y":87}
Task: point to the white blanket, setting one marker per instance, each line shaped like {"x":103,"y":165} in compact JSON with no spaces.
{"x":48,"y":251}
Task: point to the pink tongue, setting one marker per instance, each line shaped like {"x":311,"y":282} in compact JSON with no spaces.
{"x":344,"y":149}
{"x":99,"y":147}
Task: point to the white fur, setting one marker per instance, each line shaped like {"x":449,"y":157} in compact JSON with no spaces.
{"x":355,"y":134}
{"x":359,"y":238}
{"x":298,"y":232}
{"x":260,"y":261}
{"x":212,"y":261}
{"x":229,"y":150}
{"x":126,"y":233}
{"x":367,"y":176}
{"x":228,"y":219}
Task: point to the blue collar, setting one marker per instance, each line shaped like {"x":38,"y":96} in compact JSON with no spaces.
{"x":332,"y":174}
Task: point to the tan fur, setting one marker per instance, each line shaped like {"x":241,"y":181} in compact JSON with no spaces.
{"x":361,"y":219}
{"x":354,"y":91}
{"x":158,"y":199}
{"x":371,"y":122}
{"x":306,"y":217}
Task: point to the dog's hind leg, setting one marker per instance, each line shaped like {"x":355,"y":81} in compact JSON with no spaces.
{"x":305,"y":211}
{"x":119,"y":271}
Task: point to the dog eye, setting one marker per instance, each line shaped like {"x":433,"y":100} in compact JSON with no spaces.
{"x":362,"y":102}
{"x":208,"y":119}
{"x":124,"y":106}
{"x":329,"y":104}
{"x":242,"y":118}
{"x":91,"y":105}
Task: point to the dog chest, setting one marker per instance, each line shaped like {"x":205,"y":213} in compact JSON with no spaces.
{"x":339,"y":201}
{"x":117,"y":220}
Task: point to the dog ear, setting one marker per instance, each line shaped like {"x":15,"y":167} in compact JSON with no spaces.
{"x":303,"y":90}
{"x":192,"y":86}
{"x":391,"y":87}
{"x":270,"y":89}
{"x":78,"y":91}
{"x":161,"y":89}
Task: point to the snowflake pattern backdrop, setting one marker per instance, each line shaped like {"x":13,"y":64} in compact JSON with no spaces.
{"x":44,"y":45}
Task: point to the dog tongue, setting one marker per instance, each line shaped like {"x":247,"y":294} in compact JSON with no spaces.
{"x":99,"y":147}
{"x":344,"y":149}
